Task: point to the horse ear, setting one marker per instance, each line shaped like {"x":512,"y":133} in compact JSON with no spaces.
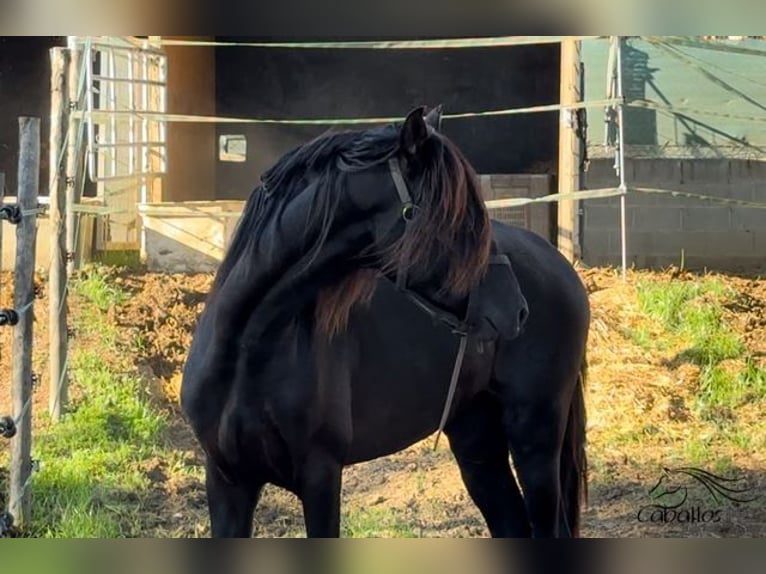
{"x":434,"y":118}
{"x":414,"y":131}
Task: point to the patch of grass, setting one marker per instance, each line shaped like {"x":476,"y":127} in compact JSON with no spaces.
{"x":693,"y":313}
{"x":90,"y":475}
{"x":721,"y":388}
{"x":724,"y":465}
{"x":712,"y":341}
{"x":667,"y":301}
{"x":420,"y":476}
{"x":91,"y":458}
{"x":112,"y":408}
{"x":141,"y":344}
{"x":743,"y":439}
{"x":96,"y":286}
{"x":120,"y":258}
{"x":641,"y":336}
{"x":713,"y":349}
{"x":697,"y":452}
{"x":376,"y":523}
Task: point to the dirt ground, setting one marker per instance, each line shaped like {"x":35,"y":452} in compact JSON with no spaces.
{"x":421,"y":488}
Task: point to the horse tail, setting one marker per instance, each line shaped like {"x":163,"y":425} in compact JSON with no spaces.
{"x":574,"y":463}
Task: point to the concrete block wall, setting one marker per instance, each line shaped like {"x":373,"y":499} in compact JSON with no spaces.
{"x":540,"y":218}
{"x":660,"y":227}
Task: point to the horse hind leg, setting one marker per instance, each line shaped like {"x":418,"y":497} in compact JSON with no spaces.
{"x":534,"y":439}
{"x":536,"y":428}
{"x":480,"y":447}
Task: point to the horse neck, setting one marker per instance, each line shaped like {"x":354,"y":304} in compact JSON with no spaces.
{"x":279,"y":252}
{"x":301,"y":283}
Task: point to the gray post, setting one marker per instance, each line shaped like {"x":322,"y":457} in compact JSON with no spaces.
{"x":73,"y":163}
{"x":57,"y":195}
{"x":621,"y":160}
{"x":21,"y":384}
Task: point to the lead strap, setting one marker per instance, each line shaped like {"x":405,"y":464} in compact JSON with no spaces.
{"x":452,"y":386}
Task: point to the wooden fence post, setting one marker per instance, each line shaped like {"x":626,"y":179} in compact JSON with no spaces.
{"x":569,"y":152}
{"x":21,"y":389}
{"x":73,"y":162}
{"x":57,"y":196}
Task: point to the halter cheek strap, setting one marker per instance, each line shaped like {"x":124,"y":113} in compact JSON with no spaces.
{"x":408,"y":210}
{"x":401,"y":186}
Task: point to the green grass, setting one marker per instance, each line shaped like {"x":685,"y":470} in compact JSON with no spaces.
{"x":692,"y":314}
{"x":120,"y":258}
{"x":641,"y":336}
{"x":667,"y":301}
{"x":90,"y":476}
{"x":376,"y":523}
{"x":722,"y":389}
{"x":689,"y":313}
{"x":698,"y":452}
{"x":95,"y":286}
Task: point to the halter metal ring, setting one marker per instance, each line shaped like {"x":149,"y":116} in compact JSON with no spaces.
{"x":408,"y":211}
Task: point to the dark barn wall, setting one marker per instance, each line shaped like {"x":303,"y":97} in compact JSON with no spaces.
{"x":24,"y":91}
{"x":275,"y":83}
{"x":191,"y":147}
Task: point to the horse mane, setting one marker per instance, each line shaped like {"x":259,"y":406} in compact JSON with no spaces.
{"x":335,"y":302}
{"x":452,"y":222}
{"x":321,"y":162}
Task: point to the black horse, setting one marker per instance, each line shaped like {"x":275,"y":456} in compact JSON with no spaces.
{"x":362,"y":267}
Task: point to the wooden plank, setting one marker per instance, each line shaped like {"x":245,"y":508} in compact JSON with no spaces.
{"x":21,"y":346}
{"x":122,"y":246}
{"x":57,"y":275}
{"x":569,"y":154}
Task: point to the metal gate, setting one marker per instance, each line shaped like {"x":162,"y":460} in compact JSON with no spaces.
{"x":125,"y":103}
